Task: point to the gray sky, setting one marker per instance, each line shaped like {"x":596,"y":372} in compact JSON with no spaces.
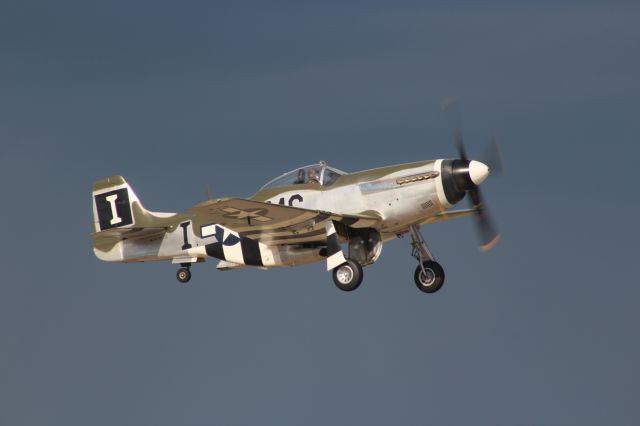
{"x":176,"y":96}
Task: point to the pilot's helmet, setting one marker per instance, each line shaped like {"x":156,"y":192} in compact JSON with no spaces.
{"x":313,"y":175}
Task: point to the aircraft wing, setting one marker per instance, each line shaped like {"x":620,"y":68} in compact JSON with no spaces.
{"x":272,"y":224}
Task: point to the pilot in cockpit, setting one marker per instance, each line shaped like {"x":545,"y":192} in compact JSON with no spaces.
{"x":300,"y":178}
{"x":314,"y":176}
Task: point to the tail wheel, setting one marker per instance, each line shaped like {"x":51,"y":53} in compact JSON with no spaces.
{"x":348,"y":276}
{"x":183,"y":275}
{"x":429,"y":277}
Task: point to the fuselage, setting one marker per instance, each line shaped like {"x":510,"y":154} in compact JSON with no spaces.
{"x":400,"y":195}
{"x":389,"y":200}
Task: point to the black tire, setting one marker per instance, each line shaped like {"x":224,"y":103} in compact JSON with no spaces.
{"x":348,"y":276}
{"x":434,"y":279}
{"x":183,"y":275}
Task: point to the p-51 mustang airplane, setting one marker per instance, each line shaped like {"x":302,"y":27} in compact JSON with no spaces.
{"x":300,"y":217}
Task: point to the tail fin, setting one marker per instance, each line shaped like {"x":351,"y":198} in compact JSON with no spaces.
{"x":113,"y":204}
{"x":119,"y":214}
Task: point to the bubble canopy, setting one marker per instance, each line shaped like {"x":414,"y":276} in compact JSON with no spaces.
{"x":313,"y":174}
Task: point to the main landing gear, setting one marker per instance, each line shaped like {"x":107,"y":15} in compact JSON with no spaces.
{"x":348,"y":276}
{"x":184,"y":273}
{"x":429,"y":275}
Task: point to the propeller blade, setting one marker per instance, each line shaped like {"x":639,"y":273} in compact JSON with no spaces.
{"x":467,"y":178}
{"x":492,"y":157}
{"x":451,"y":106}
{"x":459,"y":140}
{"x":487,"y":231}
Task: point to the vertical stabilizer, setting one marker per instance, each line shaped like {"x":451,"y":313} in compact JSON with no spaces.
{"x":119,"y":215}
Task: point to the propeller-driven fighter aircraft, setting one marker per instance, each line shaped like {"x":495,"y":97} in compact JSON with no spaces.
{"x":300,"y":217}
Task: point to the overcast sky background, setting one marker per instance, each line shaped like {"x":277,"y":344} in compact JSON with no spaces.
{"x":178,"y":96}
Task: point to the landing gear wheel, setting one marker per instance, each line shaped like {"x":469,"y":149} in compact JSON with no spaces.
{"x":431,"y":279}
{"x":183,"y":275}
{"x":348,"y":276}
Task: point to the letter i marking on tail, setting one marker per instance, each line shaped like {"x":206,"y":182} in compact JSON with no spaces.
{"x":115,"y":219}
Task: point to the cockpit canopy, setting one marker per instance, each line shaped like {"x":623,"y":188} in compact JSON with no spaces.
{"x":315,"y":174}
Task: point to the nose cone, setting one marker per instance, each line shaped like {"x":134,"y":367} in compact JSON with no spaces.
{"x":478,"y":172}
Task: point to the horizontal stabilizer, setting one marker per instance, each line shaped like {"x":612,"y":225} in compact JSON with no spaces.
{"x":130,"y":233}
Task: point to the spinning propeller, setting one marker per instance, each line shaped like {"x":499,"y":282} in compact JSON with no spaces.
{"x":462,"y":176}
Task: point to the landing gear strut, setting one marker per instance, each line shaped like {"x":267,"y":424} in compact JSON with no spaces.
{"x":429,"y":275}
{"x":184,"y":274}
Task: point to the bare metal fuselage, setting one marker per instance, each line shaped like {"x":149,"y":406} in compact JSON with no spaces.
{"x":399,"y":195}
